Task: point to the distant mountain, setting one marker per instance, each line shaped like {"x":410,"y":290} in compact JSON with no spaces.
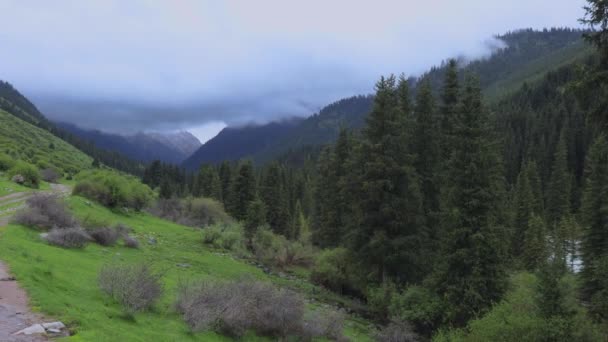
{"x":233,"y":143}
{"x":527,"y":57}
{"x":171,"y":148}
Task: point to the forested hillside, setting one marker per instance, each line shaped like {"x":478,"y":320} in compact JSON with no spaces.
{"x":527,"y":57}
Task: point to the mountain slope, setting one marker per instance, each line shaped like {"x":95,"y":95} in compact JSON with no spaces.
{"x":141,"y":146}
{"x":236,"y":143}
{"x":25,"y":141}
{"x":527,"y":57}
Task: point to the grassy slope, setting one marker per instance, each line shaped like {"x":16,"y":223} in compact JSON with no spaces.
{"x":63,"y":284}
{"x":30,"y":143}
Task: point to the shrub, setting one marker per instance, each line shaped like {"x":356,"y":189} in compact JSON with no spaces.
{"x":49,"y":175}
{"x":113,"y":190}
{"x":333,"y":270}
{"x":45,"y":211}
{"x":193,"y":212}
{"x":329,"y":323}
{"x":136,"y":287}
{"x":397,"y":331}
{"x":6,"y":162}
{"x":418,"y":305}
{"x":278,"y":251}
{"x":105,"y":236}
{"x":28,"y":172}
{"x":236,"y":307}
{"x":68,"y":237}
{"x":228,"y":237}
{"x":130,"y":242}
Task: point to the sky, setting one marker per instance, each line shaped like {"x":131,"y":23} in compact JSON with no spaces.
{"x":152,"y":65}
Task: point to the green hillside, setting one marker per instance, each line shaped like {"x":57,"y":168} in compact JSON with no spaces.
{"x":27,"y":142}
{"x":48,"y":274}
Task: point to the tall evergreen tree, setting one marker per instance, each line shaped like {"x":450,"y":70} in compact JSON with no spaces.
{"x":276,"y":198}
{"x":389,"y":202}
{"x":595,"y":215}
{"x":558,"y":192}
{"x":524,"y":205}
{"x":449,"y":108}
{"x":256,"y":217}
{"x":470,"y":276}
{"x":531,"y":172}
{"x":535,"y":244}
{"x":244,"y":190}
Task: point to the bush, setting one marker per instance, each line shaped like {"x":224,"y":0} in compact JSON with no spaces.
{"x":278,"y":251}
{"x":113,"y":190}
{"x":28,"y":174}
{"x":45,"y":211}
{"x":333,"y":270}
{"x":236,"y":307}
{"x":105,"y":236}
{"x":418,"y":305}
{"x":49,"y":175}
{"x":6,"y":162}
{"x":328,"y":324}
{"x":397,"y":331}
{"x":228,"y":237}
{"x":131,"y":242}
{"x":136,"y":287}
{"x":193,"y":212}
{"x":68,"y":237}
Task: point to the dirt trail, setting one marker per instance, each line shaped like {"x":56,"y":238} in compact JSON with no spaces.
{"x":15,"y":313}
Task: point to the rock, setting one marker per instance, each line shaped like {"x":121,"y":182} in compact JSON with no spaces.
{"x":34,"y":329}
{"x":152,"y":241}
{"x":8,"y":279}
{"x":183,"y":265}
{"x":19,"y":179}
{"x":54,"y":331}
{"x":53,"y":325}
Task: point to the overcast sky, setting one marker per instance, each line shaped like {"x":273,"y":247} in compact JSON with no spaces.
{"x":130,"y":65}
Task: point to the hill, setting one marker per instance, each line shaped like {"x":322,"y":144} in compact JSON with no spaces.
{"x":233,"y":143}
{"x":526,"y":58}
{"x":30,"y":143}
{"x":144,"y":147}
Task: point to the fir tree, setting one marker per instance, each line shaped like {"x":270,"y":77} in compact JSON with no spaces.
{"x":558,"y":200}
{"x":534,"y":244}
{"x":244,"y":190}
{"x":276,"y":198}
{"x":256,"y":217}
{"x":524,"y":204}
{"x":470,"y":276}
{"x":166,"y":190}
{"x":389,"y":202}
{"x":595,"y":218}
{"x":450,"y":96}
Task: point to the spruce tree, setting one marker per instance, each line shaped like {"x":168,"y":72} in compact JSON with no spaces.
{"x":534,"y":244}
{"x":558,"y":192}
{"x":256,"y":217}
{"x":387,"y":237}
{"x":276,"y":198}
{"x":226,"y":178}
{"x":325,"y":232}
{"x":595,"y":218}
{"x":449,"y":108}
{"x":524,"y":204}
{"x":531,"y":172}
{"x":470,"y":276}
{"x":244,"y":190}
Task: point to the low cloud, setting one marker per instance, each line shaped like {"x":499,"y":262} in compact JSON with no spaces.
{"x":166,"y":65}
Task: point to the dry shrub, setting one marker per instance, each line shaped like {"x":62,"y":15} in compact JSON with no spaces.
{"x":397,"y":331}
{"x":49,"y":175}
{"x":136,"y":287}
{"x":45,"y":211}
{"x":130,"y":242}
{"x":329,"y":324}
{"x":105,"y":236}
{"x":193,"y":212}
{"x":236,"y":307}
{"x":275,"y":249}
{"x":68,"y":237}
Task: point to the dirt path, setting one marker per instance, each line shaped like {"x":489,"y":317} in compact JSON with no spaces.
{"x":15,"y":313}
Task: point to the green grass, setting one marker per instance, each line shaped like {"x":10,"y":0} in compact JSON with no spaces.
{"x":27,"y":142}
{"x":63,"y":283}
{"x":7,"y":187}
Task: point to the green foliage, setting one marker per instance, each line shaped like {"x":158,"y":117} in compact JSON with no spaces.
{"x":243,"y":191}
{"x":227,"y":237}
{"x":30,"y":174}
{"x":256,"y":218}
{"x":276,"y":250}
{"x":334,"y":270}
{"x":6,"y":162}
{"x":558,"y":193}
{"x":419,"y":306}
{"x":113,"y":189}
{"x":535,"y":250}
